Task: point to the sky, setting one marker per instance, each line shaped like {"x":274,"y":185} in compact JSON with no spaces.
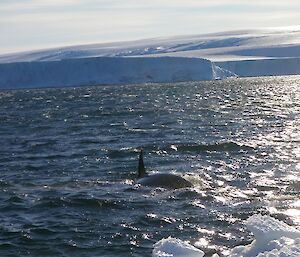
{"x":40,"y":24}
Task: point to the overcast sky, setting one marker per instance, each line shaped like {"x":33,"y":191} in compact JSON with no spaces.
{"x":35,"y":24}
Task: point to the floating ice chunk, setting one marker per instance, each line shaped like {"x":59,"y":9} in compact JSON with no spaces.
{"x":172,"y":247}
{"x":273,"y":238}
{"x":268,"y":228}
{"x":283,"y":247}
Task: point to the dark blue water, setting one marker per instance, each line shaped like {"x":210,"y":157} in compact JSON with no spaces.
{"x":68,"y":162}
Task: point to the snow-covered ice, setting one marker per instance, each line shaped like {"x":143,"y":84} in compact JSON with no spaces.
{"x":236,"y":53}
{"x":272,"y":238}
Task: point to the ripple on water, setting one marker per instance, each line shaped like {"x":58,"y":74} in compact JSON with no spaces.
{"x":68,"y":162}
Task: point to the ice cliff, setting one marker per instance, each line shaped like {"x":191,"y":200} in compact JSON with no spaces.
{"x":107,"y":70}
{"x":263,"y":67}
{"x":199,"y":57}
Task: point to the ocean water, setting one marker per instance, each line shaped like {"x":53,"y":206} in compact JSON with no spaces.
{"x":69,"y":156}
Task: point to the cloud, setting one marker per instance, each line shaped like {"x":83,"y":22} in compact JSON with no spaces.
{"x":26,"y":24}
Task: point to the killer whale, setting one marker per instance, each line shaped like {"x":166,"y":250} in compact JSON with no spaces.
{"x":168,"y":181}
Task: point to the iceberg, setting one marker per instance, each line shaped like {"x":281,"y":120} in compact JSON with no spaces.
{"x":272,"y":238}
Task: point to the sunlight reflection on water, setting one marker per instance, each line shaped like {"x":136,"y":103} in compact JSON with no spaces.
{"x":69,"y":160}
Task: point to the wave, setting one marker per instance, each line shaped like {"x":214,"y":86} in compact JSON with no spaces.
{"x":4,"y":184}
{"x":189,"y":148}
{"x":121,"y":153}
{"x":217,"y":147}
{"x":80,"y":201}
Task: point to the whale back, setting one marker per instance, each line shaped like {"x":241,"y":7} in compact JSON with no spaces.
{"x":169,"y":181}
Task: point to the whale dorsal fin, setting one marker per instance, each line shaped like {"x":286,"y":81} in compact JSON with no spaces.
{"x":141,"y":170}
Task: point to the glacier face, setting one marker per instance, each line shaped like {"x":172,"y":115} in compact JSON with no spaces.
{"x":106,"y":70}
{"x":263,"y":67}
{"x":199,"y":57}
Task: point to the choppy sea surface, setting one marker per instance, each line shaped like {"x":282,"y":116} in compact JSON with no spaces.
{"x":69,"y":156}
